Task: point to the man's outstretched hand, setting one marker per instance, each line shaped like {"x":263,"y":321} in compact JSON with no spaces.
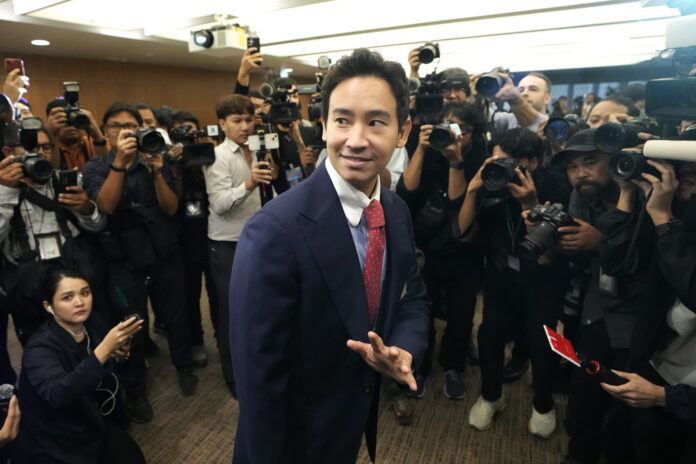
{"x":387,"y":360}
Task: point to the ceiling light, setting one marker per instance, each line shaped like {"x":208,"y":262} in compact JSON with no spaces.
{"x":40,"y":42}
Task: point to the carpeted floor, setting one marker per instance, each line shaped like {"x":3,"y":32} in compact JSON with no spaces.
{"x":201,"y":428}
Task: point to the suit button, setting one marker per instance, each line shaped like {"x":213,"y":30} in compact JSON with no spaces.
{"x":367,"y":389}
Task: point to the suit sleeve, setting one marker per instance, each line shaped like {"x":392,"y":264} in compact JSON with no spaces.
{"x":410,"y":329}
{"x":264,"y":297}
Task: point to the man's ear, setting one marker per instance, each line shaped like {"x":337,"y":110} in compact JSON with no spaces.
{"x":323,"y":129}
{"x":403,"y":134}
{"x":547,"y":98}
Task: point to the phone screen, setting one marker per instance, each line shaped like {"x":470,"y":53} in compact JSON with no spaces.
{"x":254,"y":42}
{"x":14,"y":63}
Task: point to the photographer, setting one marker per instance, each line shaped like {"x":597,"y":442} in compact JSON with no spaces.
{"x":74,"y":148}
{"x":531,"y":297}
{"x":136,"y":191}
{"x":617,"y":291}
{"x":67,"y":392}
{"x":612,"y":108}
{"x":432,"y":186}
{"x":233,"y":197}
{"x":193,"y":237}
{"x":41,"y":227}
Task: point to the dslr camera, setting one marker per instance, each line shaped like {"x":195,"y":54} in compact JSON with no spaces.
{"x":626,"y":165}
{"x":149,"y":140}
{"x":490,"y":83}
{"x":71,"y":95}
{"x":499,"y":173}
{"x":428,"y":52}
{"x":195,"y":153}
{"x":561,"y":129}
{"x":443,"y":135}
{"x":24,"y":133}
{"x":542,"y":237}
{"x":611,"y":137}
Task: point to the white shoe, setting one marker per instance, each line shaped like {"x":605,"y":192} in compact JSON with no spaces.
{"x":482,"y":412}
{"x":542,"y":425}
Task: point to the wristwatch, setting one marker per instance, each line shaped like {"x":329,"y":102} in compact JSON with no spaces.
{"x":672,"y":225}
{"x":114,"y":168}
{"x":458,"y":166}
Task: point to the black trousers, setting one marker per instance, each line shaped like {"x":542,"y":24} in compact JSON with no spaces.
{"x":164,"y":283}
{"x":511,"y":300}
{"x":588,"y":402}
{"x":458,"y":289}
{"x":192,"y":276}
{"x":221,"y":256}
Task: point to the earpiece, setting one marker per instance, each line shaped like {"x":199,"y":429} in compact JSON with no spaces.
{"x":50,"y":310}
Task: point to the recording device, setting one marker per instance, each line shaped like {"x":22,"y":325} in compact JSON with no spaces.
{"x":672,"y":98}
{"x":626,"y":165}
{"x":542,"y":237}
{"x":429,"y":101}
{"x":149,"y":140}
{"x":14,"y":63}
{"x":490,"y":83}
{"x":195,"y":153}
{"x":611,"y":137}
{"x":35,"y":166}
{"x":283,"y":110}
{"x":6,"y":392}
{"x":265,"y":142}
{"x":253,"y":40}
{"x":65,"y":179}
{"x":443,"y":135}
{"x":24,"y":133}
{"x":71,"y":95}
{"x":497,"y":174}
{"x":428,"y":52}
{"x":137,"y":317}
{"x":561,"y":129}
{"x":323,"y":62}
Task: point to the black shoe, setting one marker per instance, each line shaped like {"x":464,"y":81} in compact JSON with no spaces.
{"x":139,"y":409}
{"x":420,"y":393}
{"x":187,"y":381}
{"x":513,"y":371}
{"x":150,"y":348}
{"x":233,"y":389}
{"x":403,"y":412}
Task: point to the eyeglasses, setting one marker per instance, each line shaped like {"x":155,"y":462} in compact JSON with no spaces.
{"x":45,"y":146}
{"x":115,"y":128}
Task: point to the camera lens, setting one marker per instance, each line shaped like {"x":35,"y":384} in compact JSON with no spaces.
{"x":488,"y":86}
{"x":79,"y":120}
{"x":557,"y":130}
{"x":427,"y":53}
{"x":37,"y":167}
{"x":151,"y":141}
{"x":625,"y":165}
{"x":610,"y":137}
{"x":440,"y":138}
{"x":538,"y":241}
{"x":494,"y":177}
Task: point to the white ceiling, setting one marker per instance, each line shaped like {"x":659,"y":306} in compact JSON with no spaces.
{"x":476,"y":35}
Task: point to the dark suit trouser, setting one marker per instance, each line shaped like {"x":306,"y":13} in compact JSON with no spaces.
{"x":192,"y":276}
{"x":221,"y":256}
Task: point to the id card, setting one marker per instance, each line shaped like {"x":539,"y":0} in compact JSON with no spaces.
{"x":194,"y":209}
{"x":48,"y":246}
{"x":607,"y":283}
{"x":294,"y":175}
{"x":513,"y":263}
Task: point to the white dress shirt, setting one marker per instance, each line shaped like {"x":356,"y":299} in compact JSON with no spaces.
{"x":230,"y":203}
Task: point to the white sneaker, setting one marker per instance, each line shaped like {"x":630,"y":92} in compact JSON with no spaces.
{"x":542,"y":425}
{"x":482,"y":412}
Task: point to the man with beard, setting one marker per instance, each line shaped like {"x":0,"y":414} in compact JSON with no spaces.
{"x":616,"y":290}
{"x":74,"y":147}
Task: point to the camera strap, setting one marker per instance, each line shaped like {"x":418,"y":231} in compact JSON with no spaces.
{"x":63,"y":215}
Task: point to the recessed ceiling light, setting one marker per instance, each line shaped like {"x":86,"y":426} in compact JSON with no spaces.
{"x":40,"y":43}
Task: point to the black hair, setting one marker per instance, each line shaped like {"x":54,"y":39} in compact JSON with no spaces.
{"x":255,"y":94}
{"x":283,"y":83}
{"x":632,"y":109}
{"x":53,"y":277}
{"x":634,"y":92}
{"x":145,"y":106}
{"x":364,"y":62}
{"x":58,"y":102}
{"x":544,"y":77}
{"x":453,"y":75}
{"x":468,"y":113}
{"x":234,"y":104}
{"x":520,"y":143}
{"x":119,"y":107}
{"x":164,"y":114}
{"x":183,"y":116}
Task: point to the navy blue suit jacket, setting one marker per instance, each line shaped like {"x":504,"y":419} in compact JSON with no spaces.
{"x":296,"y":297}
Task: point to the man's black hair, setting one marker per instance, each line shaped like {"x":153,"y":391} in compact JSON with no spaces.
{"x":255,"y":94}
{"x":120,"y":106}
{"x":627,"y":102}
{"x":284,"y":83}
{"x":520,"y":143}
{"x":58,"y":102}
{"x":363,"y":63}
{"x":183,"y":116}
{"x":468,"y":113}
{"x":456,"y":78}
{"x":635,"y":92}
{"x":163,"y":114}
{"x":145,"y":106}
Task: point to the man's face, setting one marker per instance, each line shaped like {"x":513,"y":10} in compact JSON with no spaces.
{"x":44,"y":145}
{"x":588,"y":173}
{"x":68,"y":135}
{"x":123,"y":121}
{"x":362,"y":130}
{"x":149,"y":119}
{"x":238,"y":127}
{"x":601,"y":112}
{"x":687,"y":181}
{"x":454,"y":94}
{"x":533,"y":89}
{"x":529,"y":164}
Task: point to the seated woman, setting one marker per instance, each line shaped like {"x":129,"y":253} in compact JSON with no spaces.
{"x":65,"y":368}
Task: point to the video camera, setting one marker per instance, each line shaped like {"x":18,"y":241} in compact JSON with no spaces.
{"x":498,"y":174}
{"x":429,"y":101}
{"x":561,"y":129}
{"x":71,"y":95}
{"x":490,"y":83}
{"x":195,"y":153}
{"x":23,"y":133}
{"x":541,"y":238}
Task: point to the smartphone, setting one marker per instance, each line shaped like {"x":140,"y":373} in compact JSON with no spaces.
{"x":14,"y":63}
{"x":134,"y":315}
{"x":66,"y":178}
{"x":270,"y":141}
{"x":254,"y":42}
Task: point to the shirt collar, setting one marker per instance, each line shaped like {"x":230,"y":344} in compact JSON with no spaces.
{"x":234,"y":146}
{"x":352,"y":200}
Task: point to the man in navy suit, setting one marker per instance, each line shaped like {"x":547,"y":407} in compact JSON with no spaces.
{"x":325,"y":293}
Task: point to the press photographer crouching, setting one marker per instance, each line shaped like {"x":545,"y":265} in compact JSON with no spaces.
{"x":134,"y":186}
{"x":67,"y":390}
{"x":433,"y":186}
{"x":191,"y":151}
{"x":43,"y":215}
{"x":516,"y":292}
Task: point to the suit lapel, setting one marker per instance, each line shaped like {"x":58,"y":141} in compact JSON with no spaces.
{"x":326,"y":229}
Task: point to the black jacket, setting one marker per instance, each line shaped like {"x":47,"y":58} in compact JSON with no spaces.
{"x":58,"y":399}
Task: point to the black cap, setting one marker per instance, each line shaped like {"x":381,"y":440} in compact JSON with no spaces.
{"x":582,"y":142}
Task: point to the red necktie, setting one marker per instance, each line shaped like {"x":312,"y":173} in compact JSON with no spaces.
{"x":372,"y":275}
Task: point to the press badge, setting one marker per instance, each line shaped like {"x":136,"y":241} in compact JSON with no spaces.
{"x":513,"y":263}
{"x":607,"y":283}
{"x":48,"y":246}
{"x":294,"y":175}
{"x":194,"y":209}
